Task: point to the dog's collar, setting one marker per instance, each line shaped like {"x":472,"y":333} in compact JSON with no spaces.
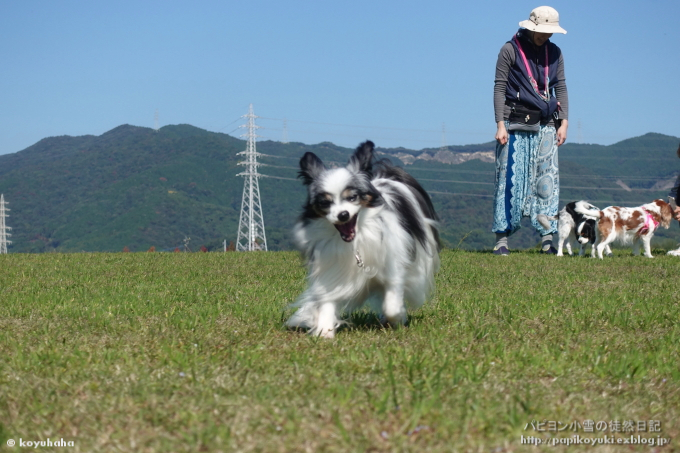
{"x":368,"y":270}
{"x":360,"y":262}
{"x":649,"y":221}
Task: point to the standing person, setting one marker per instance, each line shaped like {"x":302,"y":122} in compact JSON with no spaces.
{"x":675,"y":194}
{"x":531,"y":108}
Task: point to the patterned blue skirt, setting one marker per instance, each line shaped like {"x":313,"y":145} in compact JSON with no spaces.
{"x":527,"y":180}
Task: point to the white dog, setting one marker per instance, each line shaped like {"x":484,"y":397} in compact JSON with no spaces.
{"x":368,"y":233}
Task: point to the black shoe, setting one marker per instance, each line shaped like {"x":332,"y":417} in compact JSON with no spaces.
{"x":501,"y":251}
{"x":550,"y":251}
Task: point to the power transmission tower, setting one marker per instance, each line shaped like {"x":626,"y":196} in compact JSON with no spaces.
{"x":443,"y":147}
{"x":3,"y":228}
{"x":285,"y":132}
{"x":155,"y":121}
{"x":251,"y":234}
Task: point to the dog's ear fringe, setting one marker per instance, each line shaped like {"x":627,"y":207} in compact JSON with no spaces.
{"x":362,"y":159}
{"x":310,"y":168}
{"x":666,"y":210}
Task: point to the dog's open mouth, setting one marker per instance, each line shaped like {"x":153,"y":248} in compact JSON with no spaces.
{"x":348,"y":229}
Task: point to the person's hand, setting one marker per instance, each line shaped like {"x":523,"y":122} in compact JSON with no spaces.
{"x":562,"y":133}
{"x":676,"y":213}
{"x":501,"y":133}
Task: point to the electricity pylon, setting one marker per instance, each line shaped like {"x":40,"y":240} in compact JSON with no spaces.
{"x":251,"y":234}
{"x":3,"y":227}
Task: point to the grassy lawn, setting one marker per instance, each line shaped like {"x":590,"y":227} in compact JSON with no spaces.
{"x":174,"y":352}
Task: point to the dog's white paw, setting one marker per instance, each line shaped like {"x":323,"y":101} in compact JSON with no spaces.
{"x":393,"y":321}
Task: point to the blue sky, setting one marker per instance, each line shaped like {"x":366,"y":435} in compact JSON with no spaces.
{"x":397,"y":73}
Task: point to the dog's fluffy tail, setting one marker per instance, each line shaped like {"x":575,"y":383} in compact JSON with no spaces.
{"x":588,"y":210}
{"x":545,"y":220}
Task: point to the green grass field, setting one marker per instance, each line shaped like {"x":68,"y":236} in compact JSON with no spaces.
{"x":175,"y":352}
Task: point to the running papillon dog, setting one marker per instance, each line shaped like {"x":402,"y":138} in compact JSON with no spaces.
{"x":368,"y":233}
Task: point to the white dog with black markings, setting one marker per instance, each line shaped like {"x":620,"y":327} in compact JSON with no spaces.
{"x":573,"y":225}
{"x":369,"y":235}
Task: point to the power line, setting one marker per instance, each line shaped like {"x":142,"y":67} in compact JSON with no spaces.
{"x":477,"y":172}
{"x":461,"y":194}
{"x":561,"y":187}
{"x":224,"y":127}
{"x":611,"y":188}
{"x":278,"y":177}
{"x":279,"y":166}
{"x":457,"y":182}
{"x":452,"y":181}
{"x":359,"y":137}
{"x":491,"y":184}
{"x":562,"y":175}
{"x":570,"y":175}
{"x":561,"y":199}
{"x":590,"y":156}
{"x":363,"y":126}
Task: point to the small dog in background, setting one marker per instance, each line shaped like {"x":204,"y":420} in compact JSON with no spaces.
{"x":368,"y":233}
{"x":627,"y":225}
{"x":573,"y":226}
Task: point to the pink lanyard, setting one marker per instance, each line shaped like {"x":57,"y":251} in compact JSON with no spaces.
{"x":534,"y":84}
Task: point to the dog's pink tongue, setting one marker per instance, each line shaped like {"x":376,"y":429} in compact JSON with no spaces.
{"x":347,"y":230}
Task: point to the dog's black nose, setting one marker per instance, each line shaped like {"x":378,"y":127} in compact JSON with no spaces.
{"x":343,"y":216}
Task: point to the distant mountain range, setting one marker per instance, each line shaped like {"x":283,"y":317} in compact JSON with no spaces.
{"x":136,"y":187}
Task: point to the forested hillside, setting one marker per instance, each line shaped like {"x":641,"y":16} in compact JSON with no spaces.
{"x":137,"y":188}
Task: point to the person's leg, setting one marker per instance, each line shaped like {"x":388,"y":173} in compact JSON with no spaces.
{"x":546,"y":243}
{"x":501,"y":247}
{"x":545,"y":195}
{"x":511,"y":187}
{"x":675,"y":252}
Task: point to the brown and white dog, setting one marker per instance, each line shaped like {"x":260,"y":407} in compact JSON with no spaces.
{"x":627,"y":225}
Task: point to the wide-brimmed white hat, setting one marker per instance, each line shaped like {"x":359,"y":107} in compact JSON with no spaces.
{"x":543,"y":19}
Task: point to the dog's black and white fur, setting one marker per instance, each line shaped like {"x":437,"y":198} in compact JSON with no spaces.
{"x":573,"y":225}
{"x":369,"y":235}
